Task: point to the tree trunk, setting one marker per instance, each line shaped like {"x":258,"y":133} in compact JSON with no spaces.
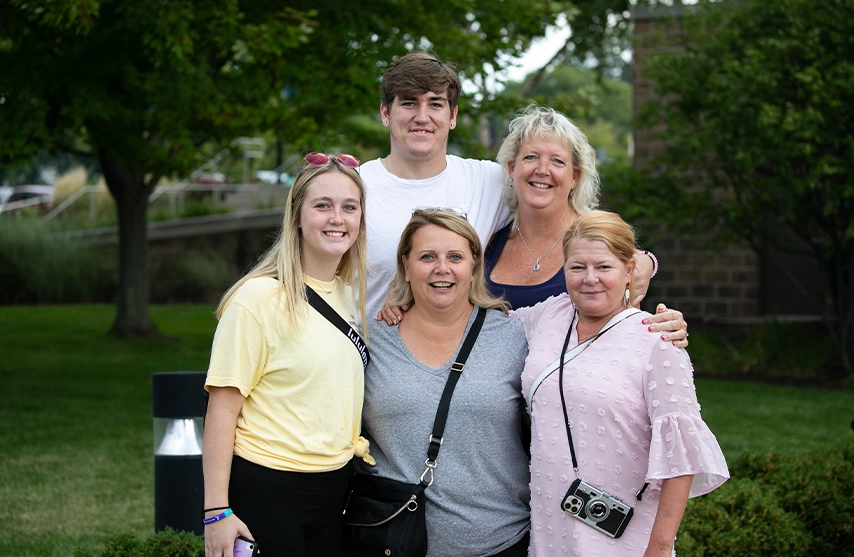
{"x":130,"y":191}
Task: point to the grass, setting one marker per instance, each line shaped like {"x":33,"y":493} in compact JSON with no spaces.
{"x":76,"y":460}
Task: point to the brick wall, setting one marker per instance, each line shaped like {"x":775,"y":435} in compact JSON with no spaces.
{"x":703,"y":285}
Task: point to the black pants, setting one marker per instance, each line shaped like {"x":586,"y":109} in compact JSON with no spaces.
{"x":293,"y":514}
{"x":518,"y":549}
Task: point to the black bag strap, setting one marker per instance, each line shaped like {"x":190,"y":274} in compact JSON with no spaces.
{"x":445,"y":402}
{"x":324,"y":309}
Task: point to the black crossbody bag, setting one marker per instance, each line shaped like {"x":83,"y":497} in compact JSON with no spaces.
{"x":386,"y":517}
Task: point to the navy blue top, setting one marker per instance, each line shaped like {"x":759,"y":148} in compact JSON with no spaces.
{"x":517,"y":295}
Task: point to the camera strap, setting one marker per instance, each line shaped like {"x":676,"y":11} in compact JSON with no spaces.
{"x":608,"y":326}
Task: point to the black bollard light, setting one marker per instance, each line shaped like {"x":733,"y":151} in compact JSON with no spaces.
{"x":179,"y":408}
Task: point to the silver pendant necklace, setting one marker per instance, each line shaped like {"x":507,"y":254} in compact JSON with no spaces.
{"x":537,"y":259}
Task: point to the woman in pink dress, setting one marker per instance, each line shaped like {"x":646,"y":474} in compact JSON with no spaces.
{"x":629,"y":401}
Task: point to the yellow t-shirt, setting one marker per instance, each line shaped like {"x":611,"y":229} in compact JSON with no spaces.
{"x":303,"y":388}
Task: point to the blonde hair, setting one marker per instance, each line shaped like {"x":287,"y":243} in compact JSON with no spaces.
{"x":478,"y":293}
{"x":611,"y":230}
{"x":283,"y":260}
{"x":542,"y":122}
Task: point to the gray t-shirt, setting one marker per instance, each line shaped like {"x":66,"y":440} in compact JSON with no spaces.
{"x":478,"y":503}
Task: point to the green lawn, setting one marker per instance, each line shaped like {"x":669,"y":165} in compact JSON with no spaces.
{"x":76,"y":458}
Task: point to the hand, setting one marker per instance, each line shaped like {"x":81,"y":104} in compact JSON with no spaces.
{"x":391,"y":314}
{"x":220,"y":536}
{"x":671,"y":323}
{"x":641,"y":276}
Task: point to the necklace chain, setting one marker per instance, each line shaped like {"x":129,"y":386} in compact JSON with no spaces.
{"x":537,"y":259}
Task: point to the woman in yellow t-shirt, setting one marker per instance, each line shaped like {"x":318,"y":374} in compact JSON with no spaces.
{"x":285,"y":383}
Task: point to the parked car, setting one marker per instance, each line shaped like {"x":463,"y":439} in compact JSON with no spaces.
{"x":40,"y":196}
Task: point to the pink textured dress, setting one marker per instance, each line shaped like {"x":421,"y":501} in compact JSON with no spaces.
{"x":635,"y":417}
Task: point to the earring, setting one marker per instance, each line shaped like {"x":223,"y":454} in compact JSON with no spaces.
{"x":385,"y":122}
{"x":628,"y":294}
{"x":453,"y":125}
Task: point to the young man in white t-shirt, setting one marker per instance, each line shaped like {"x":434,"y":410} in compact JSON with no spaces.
{"x":419,"y":107}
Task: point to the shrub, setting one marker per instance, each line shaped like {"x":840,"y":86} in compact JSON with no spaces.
{"x":743,"y":517}
{"x":168,"y":543}
{"x":40,"y":264}
{"x":200,"y":277}
{"x":776,"y":505}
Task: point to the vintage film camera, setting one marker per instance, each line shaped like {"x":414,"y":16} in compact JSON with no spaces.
{"x":597,"y":508}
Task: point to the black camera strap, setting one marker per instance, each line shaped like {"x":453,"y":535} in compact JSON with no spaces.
{"x":604,"y":330}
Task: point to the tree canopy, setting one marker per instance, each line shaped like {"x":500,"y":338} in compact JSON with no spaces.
{"x":142,"y":86}
{"x":758,"y":132}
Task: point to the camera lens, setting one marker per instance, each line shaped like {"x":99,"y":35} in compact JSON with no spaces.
{"x":597,"y":510}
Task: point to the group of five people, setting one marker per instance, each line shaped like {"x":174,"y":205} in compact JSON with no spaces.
{"x":292,"y":399}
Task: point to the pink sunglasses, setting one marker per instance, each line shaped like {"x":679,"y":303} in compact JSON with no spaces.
{"x":319,"y":159}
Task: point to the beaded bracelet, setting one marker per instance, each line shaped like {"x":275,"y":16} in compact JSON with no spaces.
{"x":654,"y":262}
{"x":217,"y":517}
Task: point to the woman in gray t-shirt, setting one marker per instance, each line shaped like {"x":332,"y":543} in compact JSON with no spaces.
{"x":478,"y":503}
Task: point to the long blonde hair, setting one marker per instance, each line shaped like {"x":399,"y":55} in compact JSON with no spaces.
{"x":478,"y":293}
{"x":284,"y":259}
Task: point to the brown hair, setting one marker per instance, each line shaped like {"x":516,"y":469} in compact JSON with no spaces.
{"x":611,"y":230}
{"x":478,"y":293}
{"x":417,"y":73}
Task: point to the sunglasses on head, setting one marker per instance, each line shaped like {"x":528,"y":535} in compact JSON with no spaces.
{"x":429,"y":210}
{"x":319,"y":159}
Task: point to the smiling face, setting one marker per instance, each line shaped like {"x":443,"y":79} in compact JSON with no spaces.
{"x":595,"y":279}
{"x":439,"y":268}
{"x":329,"y":222}
{"x":419,"y":125}
{"x":542,"y":173}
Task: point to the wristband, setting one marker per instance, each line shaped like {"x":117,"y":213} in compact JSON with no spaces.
{"x":217,"y":517}
{"x":213,"y":509}
{"x":654,"y":262}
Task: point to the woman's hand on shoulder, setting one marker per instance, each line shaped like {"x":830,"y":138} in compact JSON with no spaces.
{"x":220,"y":536}
{"x":671,"y":323}
{"x":391,"y":314}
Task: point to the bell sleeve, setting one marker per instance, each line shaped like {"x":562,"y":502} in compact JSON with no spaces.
{"x":681,"y":443}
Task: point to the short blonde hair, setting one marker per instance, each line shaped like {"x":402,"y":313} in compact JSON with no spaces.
{"x":283,"y":260}
{"x":542,"y":122}
{"x":478,"y":293}
{"x":611,"y":230}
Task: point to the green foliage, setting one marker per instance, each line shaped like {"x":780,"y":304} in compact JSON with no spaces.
{"x":743,"y":517}
{"x":167,"y":543}
{"x":774,"y":505}
{"x":40,"y":263}
{"x":755,"y":125}
{"x":764,"y":350}
{"x":192,"y":277}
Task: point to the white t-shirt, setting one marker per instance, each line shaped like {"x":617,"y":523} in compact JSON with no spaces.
{"x":475,"y":186}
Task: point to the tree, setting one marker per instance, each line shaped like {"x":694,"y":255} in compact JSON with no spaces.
{"x":758,"y":132}
{"x":141,"y":86}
